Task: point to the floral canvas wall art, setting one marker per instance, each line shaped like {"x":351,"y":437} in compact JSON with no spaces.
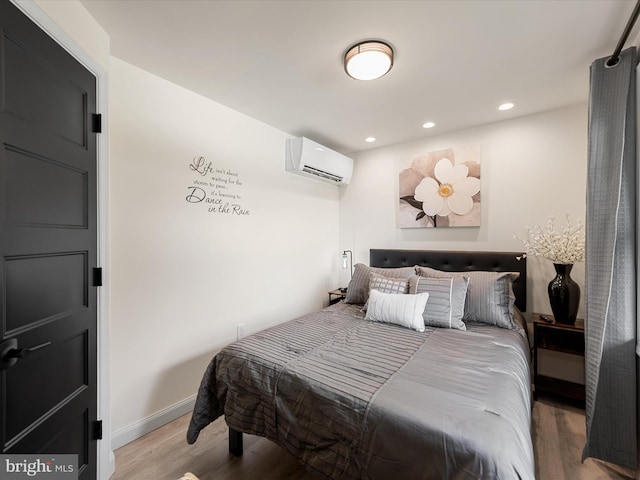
{"x":441,"y":189}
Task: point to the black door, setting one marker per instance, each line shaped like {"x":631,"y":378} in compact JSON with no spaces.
{"x":48,"y":246}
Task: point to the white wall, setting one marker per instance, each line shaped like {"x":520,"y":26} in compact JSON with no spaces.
{"x":532,"y":167}
{"x":183,"y":278}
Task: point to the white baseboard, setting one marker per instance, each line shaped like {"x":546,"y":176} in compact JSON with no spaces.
{"x":149,"y":424}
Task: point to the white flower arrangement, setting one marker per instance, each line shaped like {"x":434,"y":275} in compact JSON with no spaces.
{"x":564,"y":247}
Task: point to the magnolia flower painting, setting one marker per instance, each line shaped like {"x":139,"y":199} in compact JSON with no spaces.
{"x":441,"y":189}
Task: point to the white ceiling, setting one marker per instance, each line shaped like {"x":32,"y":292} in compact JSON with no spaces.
{"x":280,"y":61}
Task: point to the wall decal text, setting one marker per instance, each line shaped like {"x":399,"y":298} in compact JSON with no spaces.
{"x":216,"y":187}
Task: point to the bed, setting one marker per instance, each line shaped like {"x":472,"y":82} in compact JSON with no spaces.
{"x":355,"y":393}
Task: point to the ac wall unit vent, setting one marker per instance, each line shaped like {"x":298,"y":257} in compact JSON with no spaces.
{"x":308,"y":158}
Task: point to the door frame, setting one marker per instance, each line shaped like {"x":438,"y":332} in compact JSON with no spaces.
{"x":105,"y":457}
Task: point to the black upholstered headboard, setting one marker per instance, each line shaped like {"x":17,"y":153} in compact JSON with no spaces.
{"x":458,"y":262}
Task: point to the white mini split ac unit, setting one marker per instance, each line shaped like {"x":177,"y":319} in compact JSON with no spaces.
{"x":306,"y":157}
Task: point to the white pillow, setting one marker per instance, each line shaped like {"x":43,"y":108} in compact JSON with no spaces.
{"x":399,"y":309}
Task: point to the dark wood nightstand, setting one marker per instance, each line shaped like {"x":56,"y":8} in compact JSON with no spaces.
{"x":560,"y":338}
{"x":339,"y":294}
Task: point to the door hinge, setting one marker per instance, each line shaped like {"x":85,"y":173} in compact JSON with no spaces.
{"x":96,"y":123}
{"x":97,"y":277}
{"x":97,"y":430}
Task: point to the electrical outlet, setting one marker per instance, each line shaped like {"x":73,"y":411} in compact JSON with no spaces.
{"x":240,"y":331}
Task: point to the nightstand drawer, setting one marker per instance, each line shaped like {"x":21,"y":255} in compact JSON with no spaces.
{"x":560,"y":340}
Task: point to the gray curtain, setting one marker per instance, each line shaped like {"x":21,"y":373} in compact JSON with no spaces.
{"x":611,"y":278}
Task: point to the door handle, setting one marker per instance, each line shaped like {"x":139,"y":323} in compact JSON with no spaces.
{"x":10,"y":353}
{"x":23,"y":352}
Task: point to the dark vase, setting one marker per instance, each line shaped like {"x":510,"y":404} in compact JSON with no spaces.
{"x":564,"y":295}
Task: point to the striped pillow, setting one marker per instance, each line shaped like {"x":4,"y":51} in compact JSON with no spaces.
{"x":358,"y":289}
{"x":386,"y":285}
{"x":446,"y":299}
{"x":490,"y":295}
{"x":403,"y":310}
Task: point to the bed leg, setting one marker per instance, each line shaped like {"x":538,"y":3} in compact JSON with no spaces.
{"x":235,"y":442}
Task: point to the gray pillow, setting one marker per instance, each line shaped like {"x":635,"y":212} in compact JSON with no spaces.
{"x":358,"y":288}
{"x":447,"y":296}
{"x":490,"y":295}
{"x":387,"y":285}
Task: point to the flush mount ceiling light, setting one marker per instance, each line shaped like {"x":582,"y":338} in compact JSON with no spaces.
{"x":368,"y":60}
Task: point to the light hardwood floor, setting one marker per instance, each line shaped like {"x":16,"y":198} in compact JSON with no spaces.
{"x":558,"y":436}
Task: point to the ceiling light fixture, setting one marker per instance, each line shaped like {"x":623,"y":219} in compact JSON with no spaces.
{"x":370,"y":139}
{"x":368,"y":60}
{"x":428,"y":125}
{"x":506,"y":106}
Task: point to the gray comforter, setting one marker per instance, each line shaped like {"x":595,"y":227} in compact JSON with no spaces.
{"x":354,"y":399}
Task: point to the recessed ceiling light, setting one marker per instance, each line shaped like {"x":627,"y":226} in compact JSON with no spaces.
{"x":370,"y":139}
{"x":506,"y":106}
{"x":368,"y":60}
{"x":428,"y":125}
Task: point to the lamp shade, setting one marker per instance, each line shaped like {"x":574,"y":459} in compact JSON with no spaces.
{"x":347,"y":255}
{"x":368,"y":60}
